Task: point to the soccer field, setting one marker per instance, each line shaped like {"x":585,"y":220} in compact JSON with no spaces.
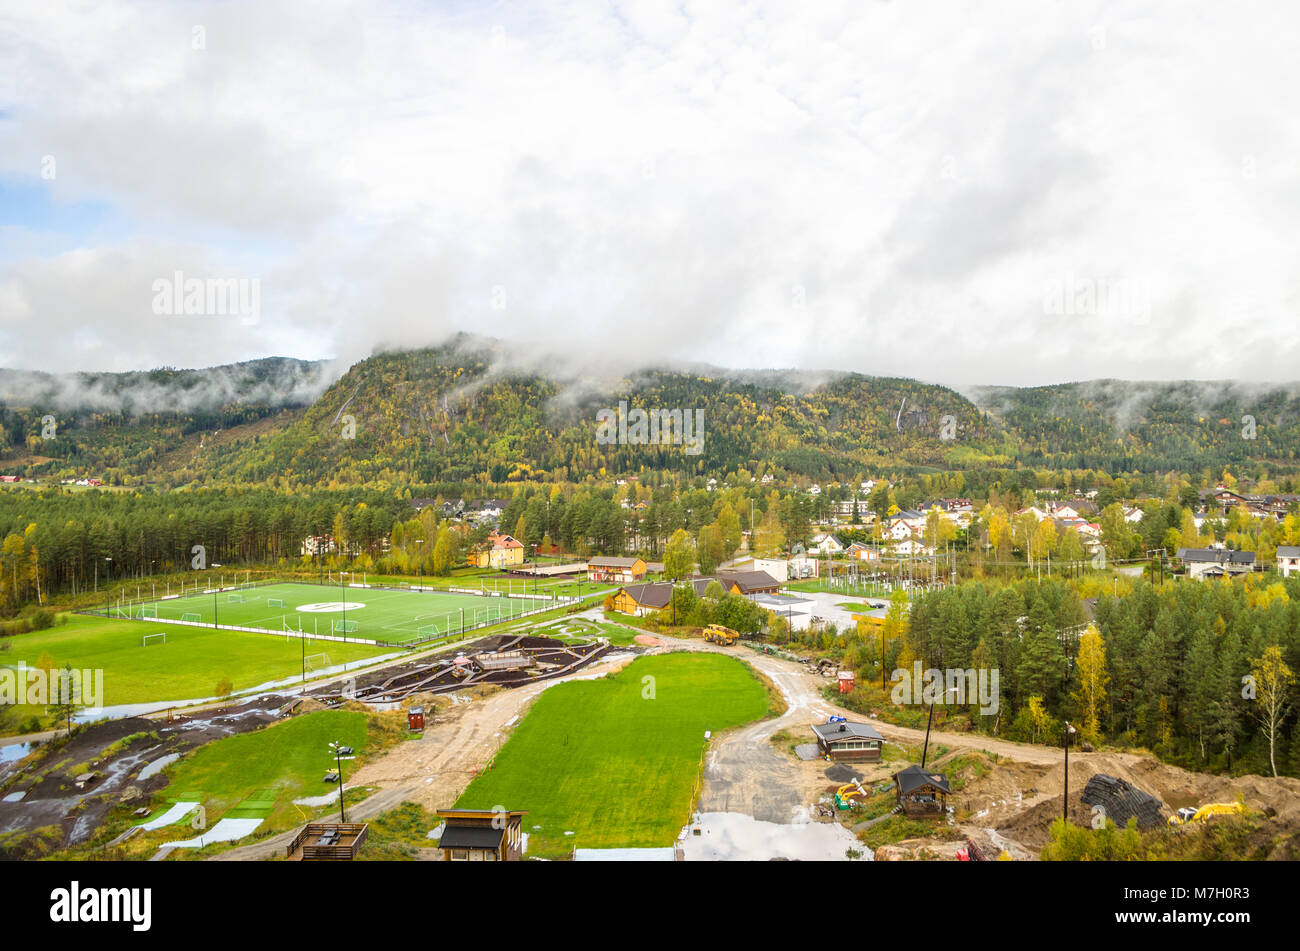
{"x":389,"y":616}
{"x":186,"y":664}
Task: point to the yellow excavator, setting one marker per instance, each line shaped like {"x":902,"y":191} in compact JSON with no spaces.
{"x":721,"y":635}
{"x":1212,"y":811}
{"x":846,"y":794}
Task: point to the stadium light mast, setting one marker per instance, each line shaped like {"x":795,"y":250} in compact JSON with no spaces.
{"x":108,"y":574}
{"x":344,"y":602}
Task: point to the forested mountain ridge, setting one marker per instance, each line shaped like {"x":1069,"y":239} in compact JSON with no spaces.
{"x":1121,"y":425}
{"x":470,"y":411}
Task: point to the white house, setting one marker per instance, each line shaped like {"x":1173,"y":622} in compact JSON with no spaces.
{"x":1288,"y":559}
{"x":826,"y":544}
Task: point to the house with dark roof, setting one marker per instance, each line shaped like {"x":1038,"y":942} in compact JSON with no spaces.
{"x":641,"y":599}
{"x":481,"y":835}
{"x":848,"y":741}
{"x":921,"y":792}
{"x":1288,"y":560}
{"x":749,"y":582}
{"x":1216,"y":562}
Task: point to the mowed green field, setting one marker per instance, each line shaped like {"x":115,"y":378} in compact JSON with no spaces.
{"x":615,"y":760}
{"x":393,"y":616}
{"x":280,"y":763}
{"x":186,"y":667}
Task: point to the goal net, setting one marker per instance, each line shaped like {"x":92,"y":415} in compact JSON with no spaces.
{"x":345,"y":627}
{"x":429,"y":630}
{"x":153,"y":639}
{"x":235,"y":599}
{"x":275,"y":602}
{"x":147,"y":612}
{"x":318,"y":661}
{"x":191,"y":616}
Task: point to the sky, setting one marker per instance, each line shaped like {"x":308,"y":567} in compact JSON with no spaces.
{"x":992,"y":193}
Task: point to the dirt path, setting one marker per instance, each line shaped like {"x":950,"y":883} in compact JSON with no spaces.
{"x":434,"y":770}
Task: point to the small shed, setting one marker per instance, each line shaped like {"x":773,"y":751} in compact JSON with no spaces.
{"x":921,"y":792}
{"x":415,"y":719}
{"x":481,"y":835}
{"x":843,"y":740}
{"x":845,"y":679}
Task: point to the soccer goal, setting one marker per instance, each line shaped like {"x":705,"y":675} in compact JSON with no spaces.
{"x":345,"y":627}
{"x":146,"y":613}
{"x":191,"y":616}
{"x":153,"y":639}
{"x":275,"y":602}
{"x":429,"y":630}
{"x":234,"y":598}
{"x":317,"y":661}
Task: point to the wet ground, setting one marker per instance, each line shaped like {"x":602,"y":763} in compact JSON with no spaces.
{"x":732,"y":837}
{"x":39,"y":791}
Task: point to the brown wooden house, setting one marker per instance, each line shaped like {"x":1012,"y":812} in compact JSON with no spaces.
{"x":641,"y":599}
{"x":749,"y":582}
{"x":849,"y":742}
{"x":481,"y":835}
{"x":921,"y":792}
{"x":609,"y":569}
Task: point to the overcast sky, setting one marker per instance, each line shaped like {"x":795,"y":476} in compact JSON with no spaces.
{"x":963,"y":193}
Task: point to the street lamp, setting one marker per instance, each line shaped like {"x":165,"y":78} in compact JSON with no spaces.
{"x":338,"y":749}
{"x":1065,"y":803}
{"x":926,"y":749}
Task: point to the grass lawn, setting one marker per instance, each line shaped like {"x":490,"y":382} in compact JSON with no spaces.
{"x":186,"y":667}
{"x":259,"y":774}
{"x":615,"y":760}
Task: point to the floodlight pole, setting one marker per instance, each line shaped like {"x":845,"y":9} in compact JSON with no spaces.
{"x":108,"y":570}
{"x":1065,"y":802}
{"x":338,"y":762}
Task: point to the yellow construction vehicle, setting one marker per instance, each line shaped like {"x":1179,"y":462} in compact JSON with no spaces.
{"x":846,"y":794}
{"x":1212,"y":811}
{"x":721,"y":635}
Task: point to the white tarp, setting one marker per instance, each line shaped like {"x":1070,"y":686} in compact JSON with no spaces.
{"x":227,"y":830}
{"x":176,"y":813}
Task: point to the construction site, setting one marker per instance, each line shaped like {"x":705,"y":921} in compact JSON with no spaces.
{"x":501,"y":660}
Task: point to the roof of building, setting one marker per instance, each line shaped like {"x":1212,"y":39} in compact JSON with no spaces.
{"x":664,"y":854}
{"x":1288,"y":551}
{"x":604,"y":561}
{"x":779,"y":600}
{"x":655,"y":595}
{"x":914,"y":777}
{"x":1218,"y":556}
{"x":748,"y":581}
{"x":470,"y":837}
{"x":846,"y":730}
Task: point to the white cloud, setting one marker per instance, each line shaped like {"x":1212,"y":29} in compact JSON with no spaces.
{"x":889,"y":188}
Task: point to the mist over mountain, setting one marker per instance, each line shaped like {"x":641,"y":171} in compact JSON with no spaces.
{"x":479,"y":408}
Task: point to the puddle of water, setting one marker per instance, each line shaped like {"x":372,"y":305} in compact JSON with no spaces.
{"x":14,"y":752}
{"x":730,"y":836}
{"x":158,"y":765}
